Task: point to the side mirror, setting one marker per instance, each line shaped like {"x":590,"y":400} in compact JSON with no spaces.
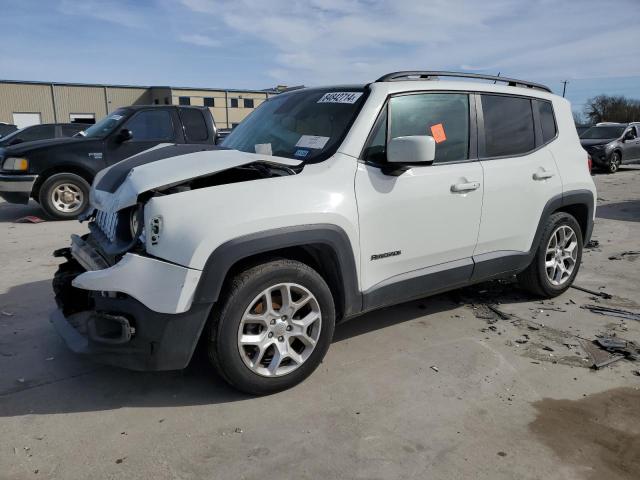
{"x":412,"y":149}
{"x":629,"y":135}
{"x":124,"y":135}
{"x":16,"y":141}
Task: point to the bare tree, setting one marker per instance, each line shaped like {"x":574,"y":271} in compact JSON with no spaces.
{"x":605,"y":108}
{"x":577,"y":117}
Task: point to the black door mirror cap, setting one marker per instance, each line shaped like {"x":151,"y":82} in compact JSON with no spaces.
{"x":124,"y":135}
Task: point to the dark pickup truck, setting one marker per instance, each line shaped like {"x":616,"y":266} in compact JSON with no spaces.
{"x":57,"y":173}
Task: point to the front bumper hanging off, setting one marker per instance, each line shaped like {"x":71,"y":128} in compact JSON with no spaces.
{"x":132,"y":314}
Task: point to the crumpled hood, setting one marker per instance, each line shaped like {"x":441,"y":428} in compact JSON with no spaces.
{"x":118,"y":186}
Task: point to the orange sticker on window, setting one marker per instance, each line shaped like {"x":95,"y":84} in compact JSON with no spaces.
{"x":437,"y":132}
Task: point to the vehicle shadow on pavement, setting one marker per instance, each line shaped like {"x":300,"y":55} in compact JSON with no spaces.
{"x":10,"y":212}
{"x":492,"y":292}
{"x":390,"y":316}
{"x":627,"y":211}
{"x":41,"y":376}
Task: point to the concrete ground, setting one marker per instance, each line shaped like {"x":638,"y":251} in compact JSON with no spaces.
{"x":423,"y":390}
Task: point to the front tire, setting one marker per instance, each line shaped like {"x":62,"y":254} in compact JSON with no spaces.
{"x":64,"y":196}
{"x":272,"y":328}
{"x":557,"y":259}
{"x":614,"y":162}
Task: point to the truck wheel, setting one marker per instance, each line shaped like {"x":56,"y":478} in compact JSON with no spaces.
{"x":614,"y":162}
{"x":64,"y":195}
{"x":272,"y":328}
{"x":557,"y":259}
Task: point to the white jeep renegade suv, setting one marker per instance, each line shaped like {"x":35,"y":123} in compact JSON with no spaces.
{"x":325,"y":203}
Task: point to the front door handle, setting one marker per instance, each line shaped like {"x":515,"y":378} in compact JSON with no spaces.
{"x":542,"y":174}
{"x":465,"y":187}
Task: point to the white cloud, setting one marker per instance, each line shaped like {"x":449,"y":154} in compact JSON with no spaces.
{"x":199,"y":40}
{"x":327,"y":41}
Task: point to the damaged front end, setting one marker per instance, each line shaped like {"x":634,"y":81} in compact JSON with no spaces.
{"x":131,"y":314}
{"x":116,"y":302}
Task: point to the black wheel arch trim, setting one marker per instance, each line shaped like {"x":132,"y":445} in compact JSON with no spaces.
{"x":224,"y":257}
{"x":567,"y":199}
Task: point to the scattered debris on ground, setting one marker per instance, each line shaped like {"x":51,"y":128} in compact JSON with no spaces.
{"x":628,"y":253}
{"x":598,"y":357}
{"x":630,"y":350}
{"x":605,"y":350}
{"x":613,"y":312}
{"x":604,"y":295}
{"x":592,"y":244}
{"x":29,"y":219}
{"x":434,"y":368}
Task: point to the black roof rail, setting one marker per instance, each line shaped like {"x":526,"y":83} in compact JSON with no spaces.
{"x":420,"y":75}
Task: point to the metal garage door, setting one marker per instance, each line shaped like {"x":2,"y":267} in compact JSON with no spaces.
{"x":22,"y":120}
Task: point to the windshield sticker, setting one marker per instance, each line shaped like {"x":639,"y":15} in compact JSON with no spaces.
{"x":301,"y":153}
{"x":117,"y":118}
{"x":263,"y":149}
{"x":312,"y":141}
{"x":340,"y":97}
{"x":437,"y":132}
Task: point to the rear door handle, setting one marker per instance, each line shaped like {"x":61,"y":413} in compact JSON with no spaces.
{"x":465,"y":187}
{"x":542,"y":175}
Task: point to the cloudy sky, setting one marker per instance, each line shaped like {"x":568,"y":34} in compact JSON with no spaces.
{"x":593,"y":44}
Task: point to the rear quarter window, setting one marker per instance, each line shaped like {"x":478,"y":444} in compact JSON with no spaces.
{"x":547,"y":120}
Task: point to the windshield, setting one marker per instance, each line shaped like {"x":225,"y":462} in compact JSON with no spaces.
{"x":602,"y":132}
{"x":106,"y":125}
{"x":7,"y":138}
{"x":304,"y":125}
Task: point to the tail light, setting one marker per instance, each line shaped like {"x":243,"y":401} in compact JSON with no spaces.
{"x":589,"y":162}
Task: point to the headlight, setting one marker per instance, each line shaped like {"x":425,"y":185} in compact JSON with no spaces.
{"x":136,"y":225}
{"x":16,"y":164}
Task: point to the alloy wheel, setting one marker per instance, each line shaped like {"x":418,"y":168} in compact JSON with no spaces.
{"x":279,"y":330}
{"x":614,"y":163}
{"x":561,"y":255}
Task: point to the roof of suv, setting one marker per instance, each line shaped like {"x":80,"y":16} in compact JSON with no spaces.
{"x":398,"y":82}
{"x":436,"y":74}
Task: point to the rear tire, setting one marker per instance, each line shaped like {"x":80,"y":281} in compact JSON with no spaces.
{"x":64,"y":196}
{"x":557,"y":258}
{"x":260,"y":349}
{"x":614,"y":162}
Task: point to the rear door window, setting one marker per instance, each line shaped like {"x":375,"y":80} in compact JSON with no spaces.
{"x":195,"y":126}
{"x":508,"y":125}
{"x":444,"y":116}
